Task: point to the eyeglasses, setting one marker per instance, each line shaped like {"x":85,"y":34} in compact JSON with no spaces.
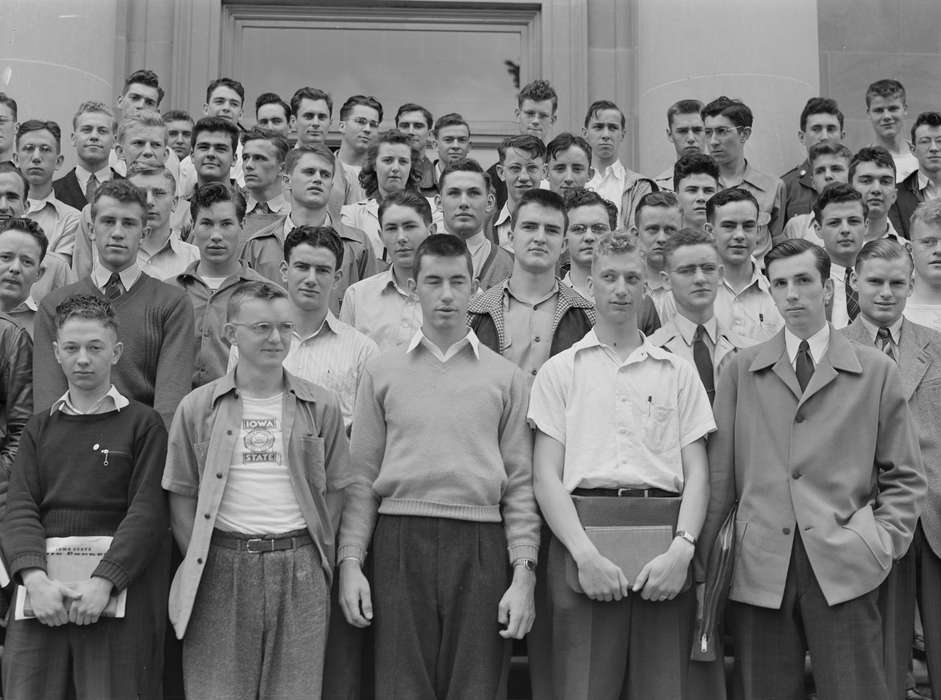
{"x":599,"y":229}
{"x":263,"y":328}
{"x":362,"y":121}
{"x":721,"y":131}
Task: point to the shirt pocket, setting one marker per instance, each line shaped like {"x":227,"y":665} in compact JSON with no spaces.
{"x":312,"y":452}
{"x":658,"y":426}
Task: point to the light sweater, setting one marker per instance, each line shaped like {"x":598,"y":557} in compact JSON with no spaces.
{"x":446,"y":440}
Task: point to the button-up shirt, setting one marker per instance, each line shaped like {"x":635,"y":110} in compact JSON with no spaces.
{"x":894,"y":333}
{"x":662,"y":297}
{"x":83,"y":176}
{"x":610,"y":183}
{"x":170,"y":260}
{"x":528,"y":328}
{"x":502,"y":228}
{"x":380,"y":308}
{"x":750,"y":312}
{"x":420,"y":339}
{"x":113,"y":400}
{"x":479,"y":248}
{"x":100,"y":276}
{"x":687,"y":331}
{"x":58,"y":221}
{"x":623,"y":422}
{"x":818,"y":343}
{"x":839,"y":315}
{"x":769,"y":191}
{"x":24,"y":313}
{"x":665,"y":180}
{"x":927,"y":188}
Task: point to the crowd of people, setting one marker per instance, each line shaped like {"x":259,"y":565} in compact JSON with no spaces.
{"x":357,"y":422}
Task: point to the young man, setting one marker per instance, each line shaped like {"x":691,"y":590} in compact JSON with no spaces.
{"x":620,"y":424}
{"x":416,"y":121}
{"x":604,"y":129}
{"x":568,"y":164}
{"x":93,"y":130}
{"x":925,"y":182}
{"x":438,"y":464}
{"x":452,"y":137}
{"x":22,"y":249}
{"x":89,"y":466}
{"x":156,"y":319}
{"x":827,"y":162}
{"x":382,"y":306}
{"x":466,"y":203}
{"x":522,"y":167}
{"x":161,"y":254}
{"x":179,"y":132}
{"x":263,"y":155}
{"x":215,"y":140}
{"x":141,"y":93}
{"x":269,"y":451}
{"x":872,"y":173}
{"x":225,"y":99}
{"x":727,"y":127}
{"x":692,"y":272}
{"x":743,"y":301}
{"x":695,"y":180}
{"x":308,"y":174}
{"x":536,"y":112}
{"x":821,"y":121}
{"x":656,"y":219}
{"x":840,"y":220}
{"x":685,"y":133}
{"x":590,"y":216}
{"x":272,"y":115}
{"x":924,"y":307}
{"x":815,"y":442}
{"x":883,"y":280}
{"x":218,"y":273}
{"x":886,"y":109}
{"x":311,"y":114}
{"x":8,"y":127}
{"x":360,"y":117}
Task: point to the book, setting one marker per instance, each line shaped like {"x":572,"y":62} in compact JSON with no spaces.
{"x":71,"y":559}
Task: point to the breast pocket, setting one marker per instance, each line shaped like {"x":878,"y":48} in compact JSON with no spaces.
{"x":312,"y":451}
{"x":658,"y":425}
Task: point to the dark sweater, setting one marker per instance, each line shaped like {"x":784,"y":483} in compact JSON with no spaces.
{"x":155,"y":324}
{"x":62,"y":487}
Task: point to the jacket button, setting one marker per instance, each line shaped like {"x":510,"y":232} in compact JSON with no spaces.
{"x":199,"y":561}
{"x":796,"y":475}
{"x":786,"y":531}
{"x":206,"y":516}
{"x":218,"y":475}
{"x":799,"y":418}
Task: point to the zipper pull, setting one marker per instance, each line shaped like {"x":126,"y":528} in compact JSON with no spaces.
{"x":704,"y":644}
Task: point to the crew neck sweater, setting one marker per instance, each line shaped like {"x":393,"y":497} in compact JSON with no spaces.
{"x":442,"y":439}
{"x":155,"y":325}
{"x":85,"y":475}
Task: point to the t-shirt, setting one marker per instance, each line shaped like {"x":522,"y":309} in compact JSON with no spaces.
{"x":924,"y":314}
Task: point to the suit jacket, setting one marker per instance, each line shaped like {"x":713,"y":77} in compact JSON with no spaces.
{"x":69,"y":191}
{"x":799,"y":193}
{"x":906,"y":202}
{"x":839,"y":465}
{"x":920,"y":367}
{"x":668,"y":336}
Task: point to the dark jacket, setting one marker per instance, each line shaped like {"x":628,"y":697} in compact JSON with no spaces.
{"x":16,"y":394}
{"x":905,"y":204}
{"x":799,"y":193}
{"x":68,"y":190}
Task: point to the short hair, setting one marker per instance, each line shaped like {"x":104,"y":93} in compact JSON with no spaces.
{"x":565,"y":141}
{"x":271,"y":98}
{"x":589,"y":198}
{"x":88,"y":308}
{"x":886,"y":88}
{"x":735,"y":111}
{"x":928,"y":212}
{"x":94,"y":107}
{"x":729,"y":196}
{"x":406,"y":198}
{"x":147,"y":119}
{"x":820,"y":105}
{"x":465,"y":165}
{"x":798,"y":246}
{"x":544,"y":198}
{"x":145,"y":77}
{"x":309,"y":93}
{"x":32,"y":125}
{"x":369,"y":179}
{"x":838,"y":193}
{"x":264,"y":291}
{"x":29,"y":227}
{"x":412,"y":107}
{"x":601,"y":106}
{"x":664,"y":199}
{"x":233,"y":85}
{"x":8,"y":167}
{"x":281,"y":145}
{"x":527,"y":143}
{"x":826,"y":148}
{"x":216,"y":124}
{"x":686,"y":237}
{"x":294,"y":155}
{"x":883,"y":249}
{"x":144,"y":168}
{"x":932,"y":119}
{"x":683,"y":107}
{"x":694,"y":164}
{"x":204,"y":196}
{"x":614,"y":243}
{"x":871,"y":154}
{"x":363,"y":100}
{"x":5,"y":99}
{"x":538,"y":91}
{"x":316,"y":237}
{"x":450,"y":119}
{"x":119,"y":189}
{"x":177,"y":115}
{"x":442,"y":245}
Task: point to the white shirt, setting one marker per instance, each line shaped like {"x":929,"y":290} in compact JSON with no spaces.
{"x":170,"y":260}
{"x":502,"y":228}
{"x":113,"y":400}
{"x":924,"y":314}
{"x":623,"y":423}
{"x":839,"y":317}
{"x":277,"y":205}
{"x":479,"y":247}
{"x":420,"y":339}
{"x":751,"y":312}
{"x":380,"y":308}
{"x":818,"y":342}
{"x":100,"y":276}
{"x":83,"y":176}
{"x":895,"y":331}
{"x":610,"y":183}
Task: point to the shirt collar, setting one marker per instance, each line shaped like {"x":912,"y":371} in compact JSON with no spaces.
{"x":330,"y":323}
{"x":100,"y":276}
{"x":757,"y":279}
{"x":36,"y":205}
{"x":503,"y":216}
{"x":508,"y":292}
{"x":289,"y":224}
{"x":895,"y":329}
{"x":421,"y":339}
{"x":226,"y":384}
{"x":475,"y":242}
{"x":65,"y":405}
{"x":616,"y":169}
{"x":924,"y":183}
{"x":275,"y":204}
{"x":28,"y":304}
{"x":390,"y":285}
{"x":102,"y":175}
{"x":687,"y":328}
{"x":818,"y":342}
{"x":640,"y":353}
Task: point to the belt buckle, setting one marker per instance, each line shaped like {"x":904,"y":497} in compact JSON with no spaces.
{"x":250,"y":545}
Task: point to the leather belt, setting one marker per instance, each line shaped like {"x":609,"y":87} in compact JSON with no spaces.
{"x":261,"y":545}
{"x":626,"y":493}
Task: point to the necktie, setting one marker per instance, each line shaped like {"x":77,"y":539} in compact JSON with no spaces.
{"x":804,"y":367}
{"x":703,"y":361}
{"x":113,"y":287}
{"x":852,"y":298}
{"x":884,"y":342}
{"x":91,"y":188}
{"x":262,"y":208}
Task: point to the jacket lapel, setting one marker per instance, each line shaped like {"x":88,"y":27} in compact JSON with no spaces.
{"x":914,"y":360}
{"x":773,"y":354}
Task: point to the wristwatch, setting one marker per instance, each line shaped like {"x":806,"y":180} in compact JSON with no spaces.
{"x":529,"y":564}
{"x":686,"y":536}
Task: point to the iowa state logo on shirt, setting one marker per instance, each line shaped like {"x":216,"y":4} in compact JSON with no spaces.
{"x":258,"y":438}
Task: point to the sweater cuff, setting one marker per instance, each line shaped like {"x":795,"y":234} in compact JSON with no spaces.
{"x":26,"y":560}
{"x":113,"y":572}
{"x":351,"y":550}
{"x":523,"y":551}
